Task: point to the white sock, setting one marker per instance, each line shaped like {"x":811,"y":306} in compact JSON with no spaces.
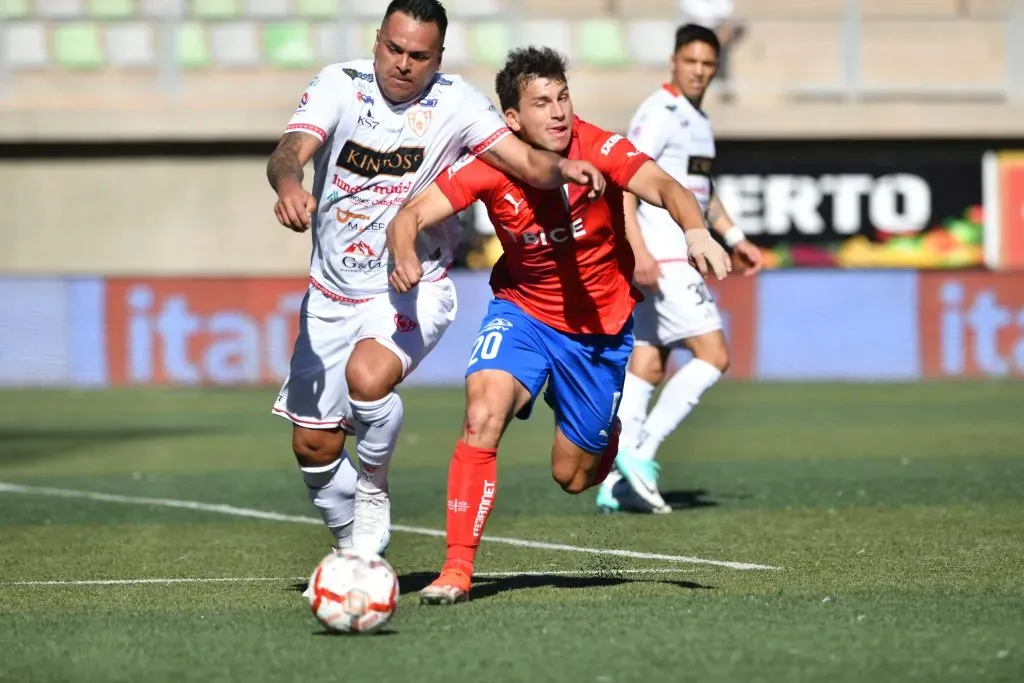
{"x":377,"y":425}
{"x":636,"y":394}
{"x":680,"y":395}
{"x":332,"y":488}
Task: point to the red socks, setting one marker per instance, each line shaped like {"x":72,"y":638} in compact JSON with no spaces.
{"x":472,"y":486}
{"x":604,"y":466}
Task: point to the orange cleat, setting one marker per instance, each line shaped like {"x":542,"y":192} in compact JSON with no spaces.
{"x":450,"y":587}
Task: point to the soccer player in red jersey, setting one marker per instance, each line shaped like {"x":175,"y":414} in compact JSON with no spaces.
{"x":562,"y":312}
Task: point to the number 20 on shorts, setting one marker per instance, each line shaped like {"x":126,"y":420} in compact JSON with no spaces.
{"x":485,"y":347}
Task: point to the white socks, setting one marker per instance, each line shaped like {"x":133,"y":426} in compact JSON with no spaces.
{"x":636,"y":394}
{"x":680,"y":395}
{"x":377,"y":425}
{"x":332,"y":488}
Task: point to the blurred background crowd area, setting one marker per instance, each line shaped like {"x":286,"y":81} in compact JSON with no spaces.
{"x":851,"y":132}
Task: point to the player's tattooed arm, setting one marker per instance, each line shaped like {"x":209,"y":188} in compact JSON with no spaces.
{"x":718,"y":217}
{"x":653,"y":185}
{"x":295,"y":206}
{"x":426,"y":209}
{"x":542,"y":169}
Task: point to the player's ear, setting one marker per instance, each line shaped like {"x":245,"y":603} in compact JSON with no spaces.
{"x":512,"y":119}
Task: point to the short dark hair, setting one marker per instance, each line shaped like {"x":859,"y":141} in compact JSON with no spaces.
{"x":694,"y":33}
{"x":424,"y":11}
{"x":523,"y":65}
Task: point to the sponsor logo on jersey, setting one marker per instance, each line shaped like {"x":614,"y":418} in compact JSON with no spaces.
{"x":441,"y":80}
{"x":671,"y":107}
{"x":498,"y":324}
{"x":316,"y":79}
{"x":606,"y":148}
{"x":369,"y":163}
{"x":304,"y":100}
{"x":419,"y":121}
{"x":700,"y":166}
{"x":360,"y":222}
{"x":367,"y":121}
{"x":364,"y":97}
{"x":360,"y":256}
{"x":357,"y":75}
{"x":462,"y":162}
{"x":428,"y":102}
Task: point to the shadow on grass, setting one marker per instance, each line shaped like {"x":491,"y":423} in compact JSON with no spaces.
{"x":488,"y":586}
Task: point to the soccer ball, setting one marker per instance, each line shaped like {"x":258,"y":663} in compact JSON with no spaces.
{"x":353,"y":592}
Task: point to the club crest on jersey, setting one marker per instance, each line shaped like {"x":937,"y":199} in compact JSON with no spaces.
{"x":404,"y":323}
{"x":419,"y":121}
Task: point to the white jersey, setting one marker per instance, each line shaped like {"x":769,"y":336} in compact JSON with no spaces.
{"x":678,"y":137}
{"x":375,"y":156}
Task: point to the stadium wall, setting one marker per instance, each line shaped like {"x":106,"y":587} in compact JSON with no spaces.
{"x":784,"y":325}
{"x":204,"y":209}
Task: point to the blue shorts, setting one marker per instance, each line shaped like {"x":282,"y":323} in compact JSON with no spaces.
{"x":584,"y":372}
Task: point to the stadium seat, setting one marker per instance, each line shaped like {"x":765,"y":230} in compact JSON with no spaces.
{"x":473,"y":8}
{"x":490,"y":44}
{"x":370,"y":9}
{"x":111,"y":9}
{"x":457,"y":46}
{"x":651,"y":41}
{"x":59,"y":9}
{"x":26,"y":45}
{"x":333,"y":43}
{"x":14,"y":9}
{"x":193,"y":52}
{"x":267,"y":8}
{"x":77,"y":46}
{"x":288,"y":45}
{"x":601,"y":43}
{"x":563,"y":9}
{"x":130,"y":45}
{"x":162,"y":8}
{"x":317,"y":9}
{"x":215,"y":9}
{"x":545,"y":33}
{"x":234,"y":44}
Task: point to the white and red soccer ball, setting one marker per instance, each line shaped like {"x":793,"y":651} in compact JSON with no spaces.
{"x":353,"y":592}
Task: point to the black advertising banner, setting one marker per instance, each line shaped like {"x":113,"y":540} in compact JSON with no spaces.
{"x":856,"y":204}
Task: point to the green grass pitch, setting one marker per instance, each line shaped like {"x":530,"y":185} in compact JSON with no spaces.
{"x":894,"y":514}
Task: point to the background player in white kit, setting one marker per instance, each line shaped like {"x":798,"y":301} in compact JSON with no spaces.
{"x":678,"y":309}
{"x":378,"y":132}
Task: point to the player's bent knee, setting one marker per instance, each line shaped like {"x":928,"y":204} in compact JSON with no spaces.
{"x":373,"y":371}
{"x":317,"y":447}
{"x":717,"y":357}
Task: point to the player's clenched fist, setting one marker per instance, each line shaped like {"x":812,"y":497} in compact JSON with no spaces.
{"x":706,"y":254}
{"x":583,"y":173}
{"x":407,"y":273}
{"x":294,"y":208}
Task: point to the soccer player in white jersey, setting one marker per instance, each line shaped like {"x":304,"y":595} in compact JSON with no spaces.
{"x":378,"y":132}
{"x":678,"y":310}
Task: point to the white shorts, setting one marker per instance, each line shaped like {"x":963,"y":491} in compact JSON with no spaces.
{"x":683,"y":309}
{"x":315,"y":394}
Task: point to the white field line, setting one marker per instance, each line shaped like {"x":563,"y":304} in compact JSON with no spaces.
{"x":299,"y":519}
{"x":270,"y":579}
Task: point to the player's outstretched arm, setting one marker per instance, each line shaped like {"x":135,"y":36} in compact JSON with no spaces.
{"x":542,"y":169}
{"x":722,"y":223}
{"x":653,"y":185}
{"x":295,"y":206}
{"x":428,"y":208}
{"x":646,"y":271}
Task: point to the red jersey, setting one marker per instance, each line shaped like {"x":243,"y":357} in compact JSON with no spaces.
{"x":567,"y":262}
